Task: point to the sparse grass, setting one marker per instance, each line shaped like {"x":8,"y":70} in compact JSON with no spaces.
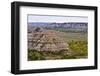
{"x":69,"y":36}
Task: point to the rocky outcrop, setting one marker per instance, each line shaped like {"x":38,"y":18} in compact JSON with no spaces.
{"x":46,"y":40}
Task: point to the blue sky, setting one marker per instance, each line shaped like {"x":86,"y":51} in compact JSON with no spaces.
{"x":60,"y":19}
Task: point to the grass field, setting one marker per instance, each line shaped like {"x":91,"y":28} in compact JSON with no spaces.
{"x":69,"y":36}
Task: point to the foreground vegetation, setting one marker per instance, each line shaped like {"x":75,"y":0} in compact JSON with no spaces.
{"x":77,"y":49}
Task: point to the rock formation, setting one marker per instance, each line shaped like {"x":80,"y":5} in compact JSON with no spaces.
{"x":45,"y":40}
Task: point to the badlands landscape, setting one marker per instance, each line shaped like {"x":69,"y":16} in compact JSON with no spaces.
{"x":52,"y":41}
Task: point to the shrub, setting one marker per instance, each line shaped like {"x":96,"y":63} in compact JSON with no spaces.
{"x":79,"y":48}
{"x":35,"y":55}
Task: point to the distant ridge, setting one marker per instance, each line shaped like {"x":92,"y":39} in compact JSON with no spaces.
{"x":81,"y":26}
